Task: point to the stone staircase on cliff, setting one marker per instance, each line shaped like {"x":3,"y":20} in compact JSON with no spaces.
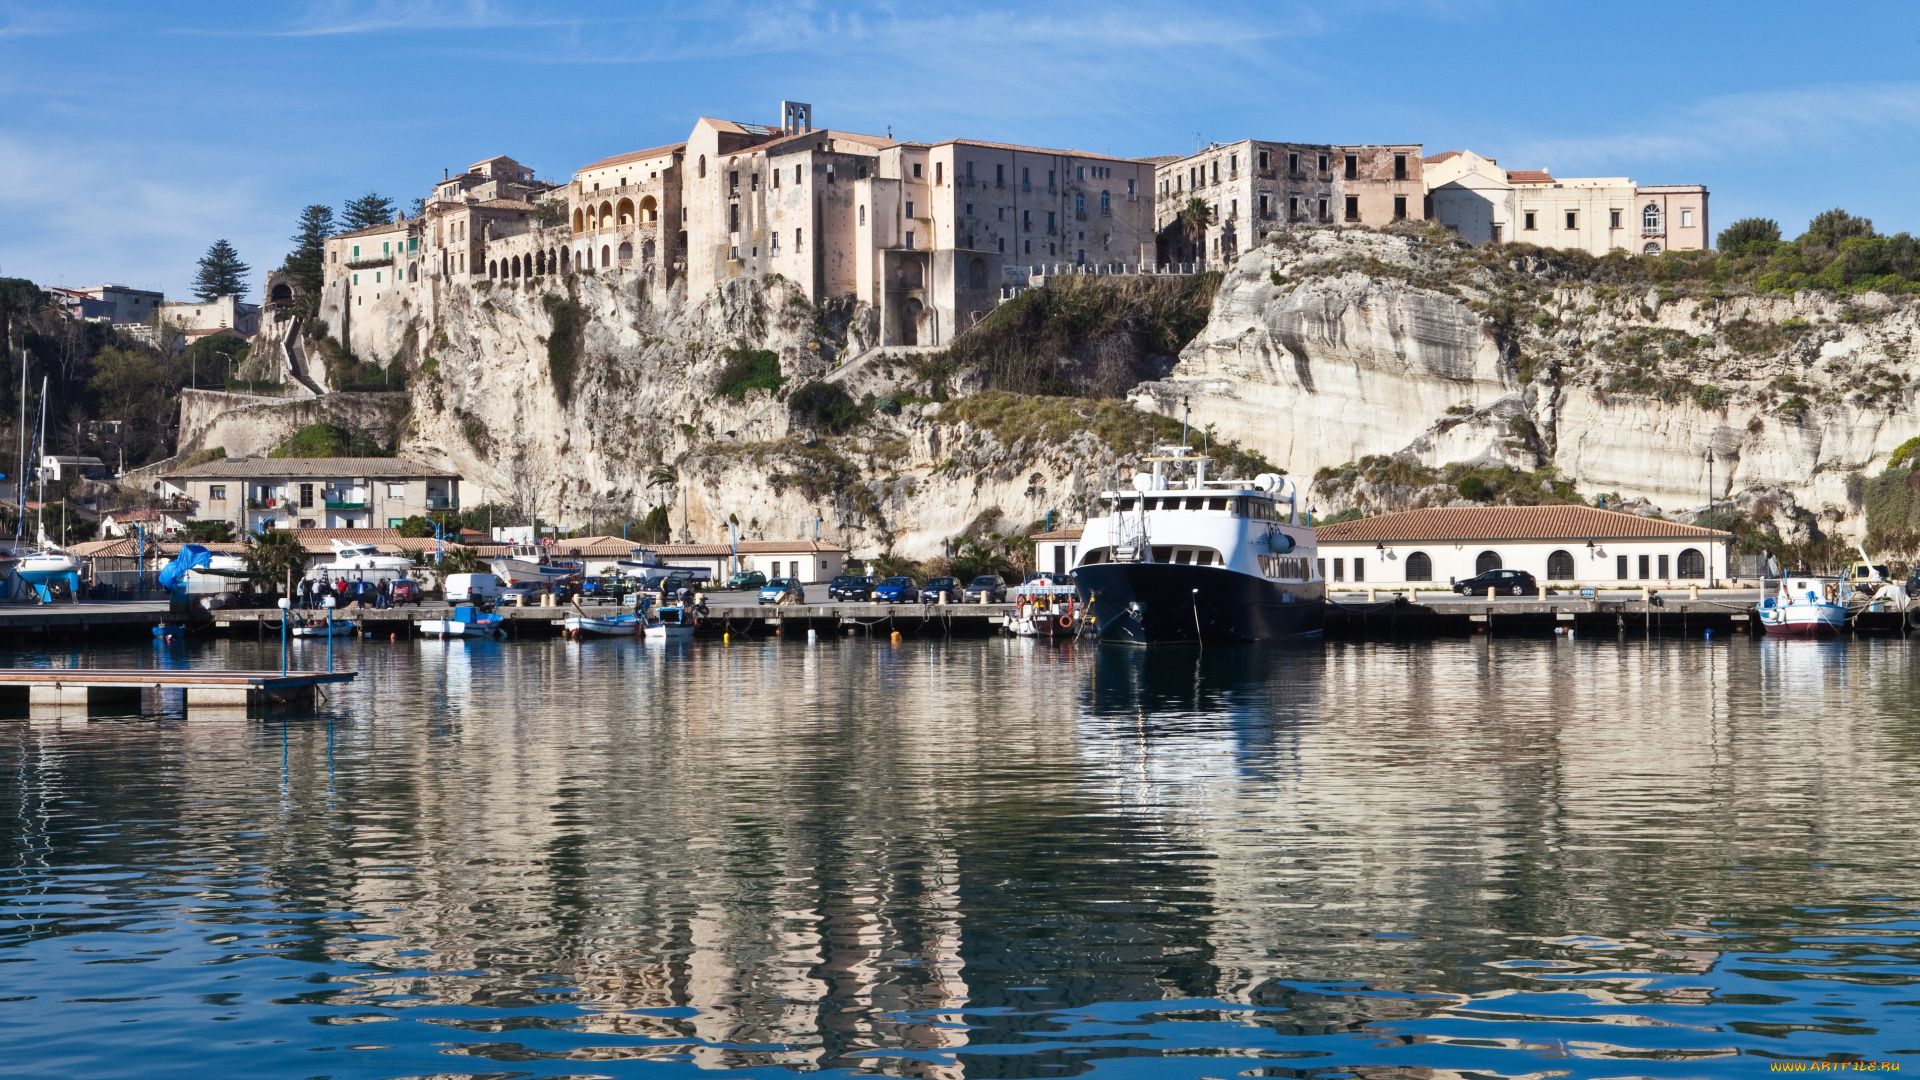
{"x":294,"y":351}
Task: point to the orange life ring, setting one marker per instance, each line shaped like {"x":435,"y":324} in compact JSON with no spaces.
{"x":1066,"y":622}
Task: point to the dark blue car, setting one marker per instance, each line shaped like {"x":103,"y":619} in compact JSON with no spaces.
{"x":896,"y":590}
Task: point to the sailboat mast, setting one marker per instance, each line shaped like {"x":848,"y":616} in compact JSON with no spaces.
{"x":20,"y":474}
{"x":40,"y":458}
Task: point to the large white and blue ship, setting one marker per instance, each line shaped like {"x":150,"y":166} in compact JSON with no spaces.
{"x":1182,"y":558}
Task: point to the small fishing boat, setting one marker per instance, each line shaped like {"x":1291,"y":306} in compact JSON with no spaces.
{"x":169,"y":631}
{"x":467,"y":621}
{"x":533,"y":564}
{"x":625,"y":624}
{"x":326,"y":628}
{"x":49,"y":566}
{"x":1045,"y":606}
{"x":671,"y":623}
{"x":1805,"y":607}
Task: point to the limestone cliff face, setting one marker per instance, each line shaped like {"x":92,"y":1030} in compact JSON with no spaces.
{"x":1325,"y":347}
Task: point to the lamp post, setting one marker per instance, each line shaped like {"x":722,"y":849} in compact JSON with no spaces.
{"x":1710,"y":577}
{"x":284,"y":605}
{"x":329,"y":605}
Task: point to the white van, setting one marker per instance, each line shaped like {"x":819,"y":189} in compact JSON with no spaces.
{"x":471,"y":587}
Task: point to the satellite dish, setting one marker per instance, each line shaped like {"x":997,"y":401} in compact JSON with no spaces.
{"x":1267,"y":481}
{"x":1142,"y":481}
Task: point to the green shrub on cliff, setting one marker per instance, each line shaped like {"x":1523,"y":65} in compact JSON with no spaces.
{"x":565,"y":343}
{"x":749,"y":369}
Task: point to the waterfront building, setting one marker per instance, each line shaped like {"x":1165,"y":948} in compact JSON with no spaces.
{"x":1558,"y":545}
{"x":1254,"y":186}
{"x":1058,"y":550}
{"x":306,"y":493}
{"x":1474,"y":197}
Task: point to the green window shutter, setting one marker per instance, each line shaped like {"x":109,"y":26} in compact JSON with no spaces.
{"x":356,"y":253}
{"x":376,"y":277}
{"x":356,"y":279}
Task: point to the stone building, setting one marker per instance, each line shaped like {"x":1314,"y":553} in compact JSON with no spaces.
{"x":200,"y":318}
{"x":1482,"y":202}
{"x":121,"y":303}
{"x":1253,"y":186}
{"x":308,"y":493}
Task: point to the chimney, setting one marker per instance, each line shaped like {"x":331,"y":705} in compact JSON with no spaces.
{"x":446,"y":174}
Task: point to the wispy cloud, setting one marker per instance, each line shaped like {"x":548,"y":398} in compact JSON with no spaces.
{"x":364,"y":17}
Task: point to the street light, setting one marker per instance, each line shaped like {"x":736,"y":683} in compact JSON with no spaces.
{"x":284,"y":605}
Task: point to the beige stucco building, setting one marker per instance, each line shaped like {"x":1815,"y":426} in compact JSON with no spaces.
{"x":198,"y":318}
{"x":1254,"y":186}
{"x":310,"y":493}
{"x":1482,"y":202}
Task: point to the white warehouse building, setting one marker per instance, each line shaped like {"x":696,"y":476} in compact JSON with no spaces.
{"x":1558,"y":545}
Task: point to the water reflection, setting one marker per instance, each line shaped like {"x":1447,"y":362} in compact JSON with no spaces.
{"x":997,"y":858}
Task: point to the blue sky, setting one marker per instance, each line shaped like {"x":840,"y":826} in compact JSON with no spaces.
{"x":132,"y":135}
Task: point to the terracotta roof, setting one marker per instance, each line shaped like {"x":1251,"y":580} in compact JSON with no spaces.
{"x":1059,"y":534}
{"x":637,"y":155}
{"x":1573,"y":523}
{"x":503,"y":204}
{"x":371,"y":230}
{"x":1160,"y":159}
{"x":105,"y":549}
{"x":1528,"y":176}
{"x":747,"y":547}
{"x":343,"y":466}
{"x":1439,"y":157}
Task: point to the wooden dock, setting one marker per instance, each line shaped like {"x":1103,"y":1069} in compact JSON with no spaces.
{"x":59,"y":689}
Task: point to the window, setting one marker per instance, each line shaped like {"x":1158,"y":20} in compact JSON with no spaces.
{"x":703,"y":166}
{"x":1129,"y":191}
{"x":1293,"y":206}
{"x":1106,"y":204}
{"x":1651,"y":249}
{"x":1353,"y":166}
{"x":1293,"y":161}
{"x":1399,"y":208}
{"x":1419,"y":567}
{"x":394,"y":523}
{"x":1263,"y":206}
{"x":797,"y":175}
{"x":396,"y":491}
{"x":1526,"y":221}
{"x":909,"y":238}
{"x":939,"y":173}
{"x":999,"y":176}
{"x":1339,"y":569}
{"x":1353,"y":208}
{"x":1665,"y":567}
{"x":1051,"y":226}
{"x":1613,"y":219}
{"x":1560,"y":566}
{"x":1692,"y":564}
{"x":1080,"y":205}
{"x":1320,"y":569}
{"x":830,"y":176}
{"x":1323,"y":210}
{"x":1216,"y":170}
{"x":969,"y":172}
{"x":356,"y":279}
{"x":1645,"y":571}
{"x":1263,"y":159}
{"x":916,"y":170}
{"x":1323,"y":162}
{"x":1573,"y":219}
{"x":356,"y":253}
{"x":386,"y":248}
{"x":1359,"y":570}
{"x":1620,"y":567}
{"x":1487,"y":560}
{"x":1650,"y":219}
{"x":1026,"y":179}
{"x":1399,"y":166}
{"x":909,"y":209}
{"x":306,"y":495}
{"x":863,"y":214}
{"x":1686,"y":219}
{"x":753,"y":182}
{"x":773,"y":244}
{"x":797,"y":245}
{"x":733,"y":217}
{"x":776,"y":177}
{"x":217,"y":492}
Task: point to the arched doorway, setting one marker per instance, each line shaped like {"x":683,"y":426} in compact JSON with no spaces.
{"x":910,"y":325}
{"x":624,"y":212}
{"x":646,"y":250}
{"x":1692,"y":564}
{"x":493,"y":269}
{"x":1488,"y":560}
{"x":649,"y":209}
{"x":282,"y":293}
{"x":626,"y":253}
{"x":606,"y":255}
{"x":1560,"y":566}
{"x":1419,"y":567}
{"x":578,"y":220}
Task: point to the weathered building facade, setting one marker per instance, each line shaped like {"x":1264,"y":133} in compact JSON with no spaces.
{"x":1253,"y":186}
{"x":1482,"y":202}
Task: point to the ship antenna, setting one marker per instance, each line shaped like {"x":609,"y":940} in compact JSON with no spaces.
{"x":1186,"y":412}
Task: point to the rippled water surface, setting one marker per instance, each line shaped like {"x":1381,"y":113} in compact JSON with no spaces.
{"x":978,"y":859}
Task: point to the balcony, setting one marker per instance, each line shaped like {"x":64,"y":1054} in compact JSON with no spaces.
{"x":441,"y":502}
{"x":331,"y":505}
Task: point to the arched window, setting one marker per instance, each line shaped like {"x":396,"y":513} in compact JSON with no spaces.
{"x":703,"y":166}
{"x":1080,"y":204}
{"x":1692,"y":564}
{"x":624,"y":212}
{"x":606,"y":255}
{"x":1419,"y":567}
{"x":515,"y":263}
{"x":646,"y":250}
{"x":539,"y":262}
{"x":649,"y":209}
{"x":1650,"y":218}
{"x":1488,"y":560}
{"x":977,"y":274}
{"x":626,"y":254}
{"x":282,"y":293}
{"x":565,"y":254}
{"x":1106,"y":203}
{"x":413,"y":271}
{"x":1560,"y":566}
{"x":606,"y":215}
{"x":1650,"y":249}
{"x":578,"y":217}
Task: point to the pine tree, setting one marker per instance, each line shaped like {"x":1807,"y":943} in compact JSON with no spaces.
{"x":221,"y":273}
{"x":304,"y":262}
{"x":367,"y":211}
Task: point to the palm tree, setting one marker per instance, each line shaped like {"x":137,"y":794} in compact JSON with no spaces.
{"x":460,"y":560}
{"x":276,"y":555}
{"x":669,"y":477}
{"x":1193,"y":221}
{"x":890,"y":565}
{"x":976,"y":556}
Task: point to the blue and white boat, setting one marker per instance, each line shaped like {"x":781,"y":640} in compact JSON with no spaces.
{"x":1192,"y":559}
{"x":625,"y":624}
{"x":46,"y":567}
{"x":467,"y":621}
{"x":1805,"y":607}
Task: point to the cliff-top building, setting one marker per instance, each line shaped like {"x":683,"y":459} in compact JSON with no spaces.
{"x":1253,"y":186}
{"x":1475,"y":197}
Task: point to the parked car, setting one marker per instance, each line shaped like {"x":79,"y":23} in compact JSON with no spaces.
{"x":471,"y":587}
{"x":1515,"y":582}
{"x":895,"y":590}
{"x":986,"y":589}
{"x":850,"y":587}
{"x":745,"y":579}
{"x":523,"y":595}
{"x":781,"y":589}
{"x":931,"y":591}
{"x":406,"y":591}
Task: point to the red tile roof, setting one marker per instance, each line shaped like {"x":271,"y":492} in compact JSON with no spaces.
{"x":1576,"y":523}
{"x":1528,"y":176}
{"x":1439,"y":157}
{"x":637,"y":155}
{"x":1059,"y":534}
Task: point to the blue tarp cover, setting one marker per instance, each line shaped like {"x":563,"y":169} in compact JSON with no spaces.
{"x":191,"y":557}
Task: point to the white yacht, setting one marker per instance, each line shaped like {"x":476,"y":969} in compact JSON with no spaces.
{"x":356,"y":561}
{"x":1183,"y":560}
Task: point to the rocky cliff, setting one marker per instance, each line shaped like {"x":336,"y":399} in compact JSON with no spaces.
{"x":1405,"y":368}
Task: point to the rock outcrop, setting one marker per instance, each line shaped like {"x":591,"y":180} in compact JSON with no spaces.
{"x":1326,"y":347}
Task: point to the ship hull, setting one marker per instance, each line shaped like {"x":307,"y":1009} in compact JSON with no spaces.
{"x":1804,"y":621}
{"x":1172,"y":603}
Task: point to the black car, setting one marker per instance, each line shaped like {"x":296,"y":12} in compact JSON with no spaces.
{"x":1505,"y":582}
{"x":986,"y":589}
{"x":852,"y":587}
